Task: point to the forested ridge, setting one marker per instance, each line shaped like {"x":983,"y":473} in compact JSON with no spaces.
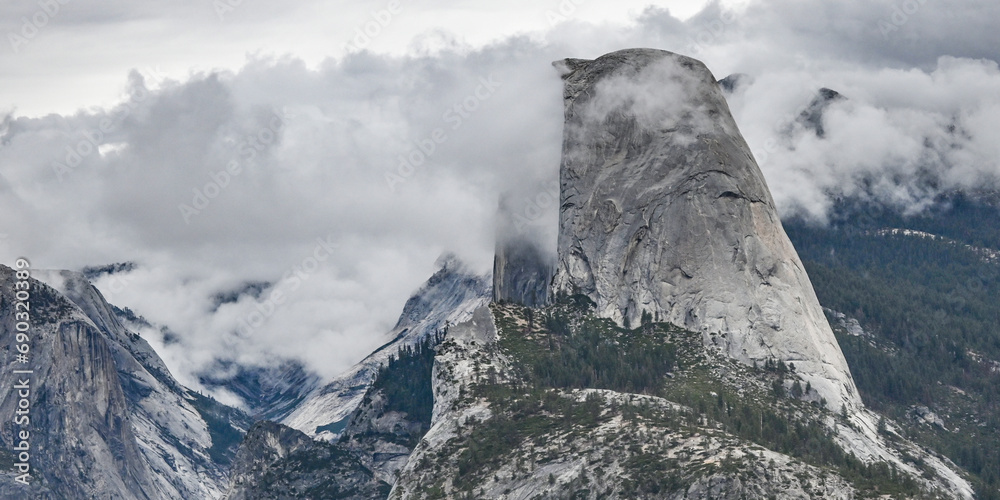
{"x":931,"y":305}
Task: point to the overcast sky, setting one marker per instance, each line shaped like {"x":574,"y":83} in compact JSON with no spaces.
{"x":215,"y":142}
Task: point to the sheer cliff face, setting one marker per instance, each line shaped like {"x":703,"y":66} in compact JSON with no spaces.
{"x":522,"y":270}
{"x":82,"y":443}
{"x":107,"y":420}
{"x":665,"y":215}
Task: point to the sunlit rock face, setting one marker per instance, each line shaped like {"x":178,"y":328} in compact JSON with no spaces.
{"x":665,"y":216}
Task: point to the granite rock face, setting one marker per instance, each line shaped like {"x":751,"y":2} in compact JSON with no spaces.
{"x":281,"y":463}
{"x":521,"y":274}
{"x":107,"y":419}
{"x":522,"y":271}
{"x":665,"y":216}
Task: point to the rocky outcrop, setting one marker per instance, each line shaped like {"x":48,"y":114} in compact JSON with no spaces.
{"x":278,"y":462}
{"x":614,"y":454}
{"x":448,"y":297}
{"x":522,"y":271}
{"x":497,"y":434}
{"x":107,"y":419}
{"x":463,"y":360}
{"x":812,"y":117}
{"x":381,"y":439}
{"x":665,"y":216}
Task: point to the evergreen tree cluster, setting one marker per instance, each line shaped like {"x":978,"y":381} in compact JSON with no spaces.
{"x":932,"y":305}
{"x":596,"y":355}
{"x":575,"y":350}
{"x":405,"y":380}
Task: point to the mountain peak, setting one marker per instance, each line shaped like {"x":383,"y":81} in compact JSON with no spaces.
{"x":665,"y":215}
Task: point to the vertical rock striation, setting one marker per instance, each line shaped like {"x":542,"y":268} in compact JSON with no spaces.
{"x":666,"y":216}
{"x":107,"y":420}
{"x":522,"y":272}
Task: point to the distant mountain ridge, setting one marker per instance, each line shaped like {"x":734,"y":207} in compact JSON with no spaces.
{"x":109,"y":419}
{"x":448,"y":297}
{"x":680,"y":351}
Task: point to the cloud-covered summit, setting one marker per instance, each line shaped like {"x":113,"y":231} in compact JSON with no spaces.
{"x":340,"y":183}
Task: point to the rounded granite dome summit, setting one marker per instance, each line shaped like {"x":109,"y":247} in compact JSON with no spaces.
{"x":665,"y":214}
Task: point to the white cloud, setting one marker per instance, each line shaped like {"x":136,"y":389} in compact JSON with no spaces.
{"x":401,"y":154}
{"x":901,"y":136}
{"x":231,"y":177}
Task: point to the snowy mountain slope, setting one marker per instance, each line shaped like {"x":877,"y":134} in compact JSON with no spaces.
{"x":268,"y":392}
{"x":450,"y":296}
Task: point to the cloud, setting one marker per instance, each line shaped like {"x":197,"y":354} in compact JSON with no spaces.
{"x":901,"y":136}
{"x":650,"y":97}
{"x":874,"y":33}
{"x":390,"y":158}
{"x":236,"y":176}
